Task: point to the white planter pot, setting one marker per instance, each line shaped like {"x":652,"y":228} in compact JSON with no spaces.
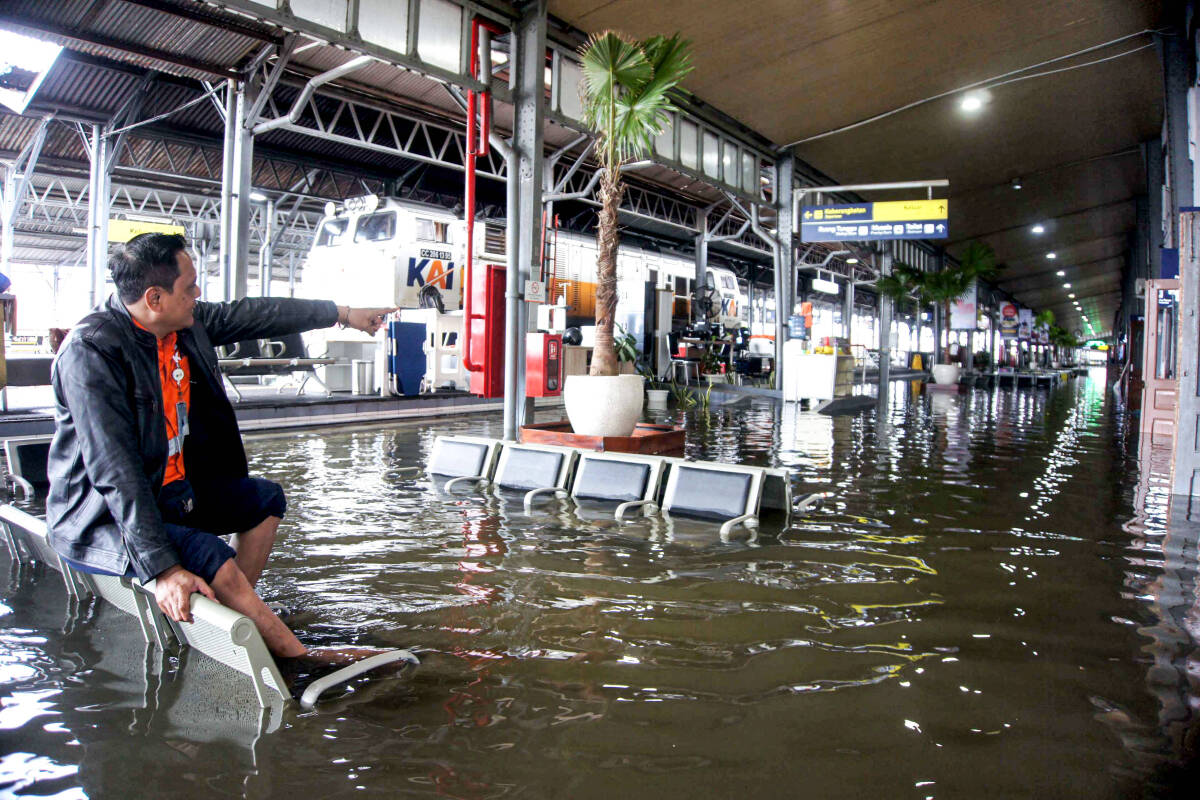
{"x":657,"y":398}
{"x":946,"y":373}
{"x":603,"y":405}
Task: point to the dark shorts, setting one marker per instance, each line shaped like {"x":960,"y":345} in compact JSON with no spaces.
{"x":195,"y":520}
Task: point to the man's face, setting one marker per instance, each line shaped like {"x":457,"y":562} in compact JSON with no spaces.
{"x":175,"y":308}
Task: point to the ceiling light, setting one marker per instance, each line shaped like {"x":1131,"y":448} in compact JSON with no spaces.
{"x":1066,"y":286}
{"x":1039,"y":229}
{"x":851,"y":260}
{"x":1051,"y":255}
{"x":1016,"y":184}
{"x":1061,"y":273}
{"x":257,"y":197}
{"x":1071,"y":295}
{"x":28,"y":61}
{"x":972,"y":102}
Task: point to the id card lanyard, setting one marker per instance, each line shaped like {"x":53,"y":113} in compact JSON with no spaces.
{"x":175,"y":443}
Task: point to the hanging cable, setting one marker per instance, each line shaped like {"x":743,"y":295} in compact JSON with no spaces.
{"x":996,"y":80}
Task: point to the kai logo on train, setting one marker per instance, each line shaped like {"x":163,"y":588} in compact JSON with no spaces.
{"x":431,"y":268}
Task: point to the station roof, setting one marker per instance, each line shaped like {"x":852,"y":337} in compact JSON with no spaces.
{"x":1069,"y":129}
{"x":806,"y":72}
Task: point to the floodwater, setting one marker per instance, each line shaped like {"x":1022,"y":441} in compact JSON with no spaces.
{"x":977,"y":613}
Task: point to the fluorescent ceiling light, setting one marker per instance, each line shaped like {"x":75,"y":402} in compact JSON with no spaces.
{"x":1039,"y":229}
{"x":1071,"y":295}
{"x":1066,"y":286}
{"x":24,"y":63}
{"x":1051,"y":255}
{"x":1061,"y":273}
{"x":851,"y":260}
{"x":257,"y":197}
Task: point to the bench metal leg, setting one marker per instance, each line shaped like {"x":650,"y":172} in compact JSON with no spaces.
{"x":233,"y":386}
{"x":648,"y":507}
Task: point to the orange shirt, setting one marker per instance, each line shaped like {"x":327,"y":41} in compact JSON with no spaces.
{"x":174,"y":375}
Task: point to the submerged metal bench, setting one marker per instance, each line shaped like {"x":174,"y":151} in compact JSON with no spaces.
{"x":27,"y":458}
{"x":731,"y":493}
{"x":462,"y":459}
{"x":217,"y":631}
{"x":633,"y":481}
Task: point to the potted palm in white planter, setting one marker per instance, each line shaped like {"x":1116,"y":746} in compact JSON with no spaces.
{"x":625,"y":102}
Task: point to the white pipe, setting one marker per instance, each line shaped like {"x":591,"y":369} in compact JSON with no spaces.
{"x":310,"y":88}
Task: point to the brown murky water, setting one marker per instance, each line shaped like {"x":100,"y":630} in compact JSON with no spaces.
{"x":975,"y":615}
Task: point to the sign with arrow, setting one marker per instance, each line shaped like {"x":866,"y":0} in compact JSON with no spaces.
{"x":865,"y":222}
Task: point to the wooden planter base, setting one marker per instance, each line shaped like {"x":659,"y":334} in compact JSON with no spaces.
{"x":647,"y":439}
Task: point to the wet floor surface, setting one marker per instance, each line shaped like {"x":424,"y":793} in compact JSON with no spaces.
{"x":977,"y":613}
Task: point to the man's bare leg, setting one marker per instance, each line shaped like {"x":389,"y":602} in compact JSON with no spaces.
{"x":254,"y":547}
{"x":233,"y":589}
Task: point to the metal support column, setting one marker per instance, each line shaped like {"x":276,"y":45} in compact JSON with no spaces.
{"x":16,"y":186}
{"x":291,"y":273}
{"x":225,"y":235}
{"x":939,"y":324}
{"x":848,"y":311}
{"x":527,"y":88}
{"x":885,"y":331}
{"x":701,"y":263}
{"x":239,"y":193}
{"x":785,"y":257}
{"x":266,"y":254}
{"x":98,"y":198}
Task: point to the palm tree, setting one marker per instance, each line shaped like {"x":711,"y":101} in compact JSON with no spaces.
{"x":625,"y":102}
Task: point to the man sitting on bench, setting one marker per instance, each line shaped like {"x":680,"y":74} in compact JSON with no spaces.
{"x":147,"y":464}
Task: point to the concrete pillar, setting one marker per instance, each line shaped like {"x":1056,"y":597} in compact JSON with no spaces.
{"x":1174,"y":53}
{"x":528,"y":87}
{"x":784,"y":256}
{"x":1154,"y":197}
{"x":1185,"y":473}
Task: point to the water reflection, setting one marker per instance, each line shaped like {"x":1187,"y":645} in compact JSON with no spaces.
{"x":967,"y":601}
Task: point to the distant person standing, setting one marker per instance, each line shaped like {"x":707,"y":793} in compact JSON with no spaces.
{"x":147,"y":466}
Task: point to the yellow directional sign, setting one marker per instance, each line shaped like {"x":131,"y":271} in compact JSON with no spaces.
{"x":122,"y":230}
{"x":905,"y":210}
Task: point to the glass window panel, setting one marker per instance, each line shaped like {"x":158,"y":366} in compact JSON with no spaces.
{"x":375,"y":227}
{"x":385,"y":23}
{"x":664,"y":142}
{"x":750,"y":173}
{"x":439,"y":34}
{"x":333,"y":232}
{"x":729,"y":162}
{"x":330,"y":13}
{"x":712,"y":155}
{"x":430,"y":231}
{"x":688,"y":135}
{"x":570,"y":96}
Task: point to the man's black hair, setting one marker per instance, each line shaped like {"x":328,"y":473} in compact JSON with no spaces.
{"x":148,"y":259}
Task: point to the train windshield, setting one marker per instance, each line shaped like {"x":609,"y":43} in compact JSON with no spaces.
{"x":333,"y":232}
{"x":375,"y":227}
{"x":432,"y":231}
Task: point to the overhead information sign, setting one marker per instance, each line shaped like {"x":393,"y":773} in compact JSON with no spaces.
{"x":898,"y":219}
{"x":122,"y":230}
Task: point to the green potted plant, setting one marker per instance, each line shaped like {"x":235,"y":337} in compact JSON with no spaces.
{"x":625,"y":102}
{"x":626,"y":347}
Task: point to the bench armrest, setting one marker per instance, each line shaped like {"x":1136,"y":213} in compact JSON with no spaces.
{"x":749,"y":520}
{"x":450,"y":484}
{"x":25,"y":486}
{"x":351,"y":671}
{"x":647,"y":506}
{"x":812,"y":501}
{"x":545,"y":490}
